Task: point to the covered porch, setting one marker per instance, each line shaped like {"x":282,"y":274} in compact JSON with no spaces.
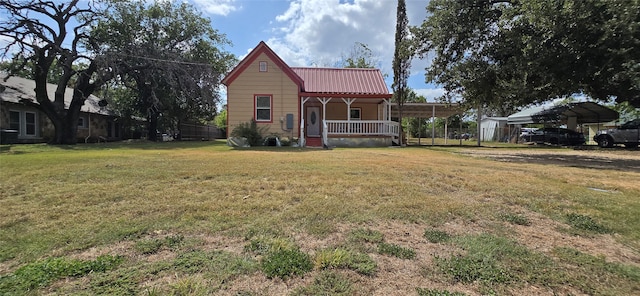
{"x":347,"y":121}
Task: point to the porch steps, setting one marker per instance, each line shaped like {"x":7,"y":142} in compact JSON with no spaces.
{"x":314,"y":142}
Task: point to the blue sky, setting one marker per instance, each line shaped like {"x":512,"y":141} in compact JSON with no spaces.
{"x":317,"y":32}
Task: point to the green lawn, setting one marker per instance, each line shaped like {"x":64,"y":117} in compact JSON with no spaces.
{"x":197,"y":218}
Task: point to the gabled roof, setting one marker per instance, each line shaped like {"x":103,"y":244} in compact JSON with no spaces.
{"x":350,"y":81}
{"x":320,"y":81}
{"x":252,"y":56}
{"x":17,"y":89}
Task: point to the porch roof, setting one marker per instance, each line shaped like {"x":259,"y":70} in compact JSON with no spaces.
{"x":426,"y":110}
{"x":343,"y":82}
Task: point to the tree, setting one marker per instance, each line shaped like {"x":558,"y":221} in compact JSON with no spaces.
{"x":169,"y":55}
{"x":360,"y":56}
{"x":52,"y":38}
{"x":221,"y":120}
{"x":401,"y":60}
{"x":514,"y":53}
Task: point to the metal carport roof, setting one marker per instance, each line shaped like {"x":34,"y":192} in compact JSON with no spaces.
{"x":584,"y":112}
{"x":426,"y":110}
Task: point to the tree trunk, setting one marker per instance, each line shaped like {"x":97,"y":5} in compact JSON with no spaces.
{"x":152,"y":127}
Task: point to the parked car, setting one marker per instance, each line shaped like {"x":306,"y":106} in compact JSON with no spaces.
{"x":555,"y":136}
{"x":627,"y":134}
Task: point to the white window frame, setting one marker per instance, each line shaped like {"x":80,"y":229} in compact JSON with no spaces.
{"x":23,"y":125}
{"x":270,"y":108}
{"x":263,"y":66}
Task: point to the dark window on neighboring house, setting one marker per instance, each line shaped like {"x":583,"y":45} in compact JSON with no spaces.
{"x":14,"y":120}
{"x":82,"y":122}
{"x":30,"y":123}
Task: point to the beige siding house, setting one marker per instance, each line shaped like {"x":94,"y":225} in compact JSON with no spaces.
{"x":315,"y":106}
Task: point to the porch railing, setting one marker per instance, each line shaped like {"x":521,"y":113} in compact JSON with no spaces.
{"x":362,"y":127}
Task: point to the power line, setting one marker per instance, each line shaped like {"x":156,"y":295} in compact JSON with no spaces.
{"x":163,"y":60}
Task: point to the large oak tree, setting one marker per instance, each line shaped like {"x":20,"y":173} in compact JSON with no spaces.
{"x":169,"y":56}
{"x":48,"y":37}
{"x":505,"y":54}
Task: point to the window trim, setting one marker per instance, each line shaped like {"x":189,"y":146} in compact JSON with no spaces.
{"x":255,"y":108}
{"x":85,"y":122}
{"x":263,"y":66}
{"x":23,"y":124}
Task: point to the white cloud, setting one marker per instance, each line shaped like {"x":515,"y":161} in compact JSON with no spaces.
{"x":217,"y":7}
{"x":321,"y":32}
{"x":430,"y":93}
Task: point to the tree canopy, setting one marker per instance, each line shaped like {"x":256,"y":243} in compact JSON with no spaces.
{"x":169,"y":55}
{"x":505,"y":54}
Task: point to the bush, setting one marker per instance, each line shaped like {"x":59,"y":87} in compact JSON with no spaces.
{"x":250,"y":131}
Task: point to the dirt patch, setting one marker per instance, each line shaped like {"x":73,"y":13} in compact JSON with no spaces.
{"x":609,"y":159}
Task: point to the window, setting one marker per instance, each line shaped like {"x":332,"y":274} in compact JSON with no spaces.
{"x":25,"y":122}
{"x":263,"y":66}
{"x":263,"y":108}
{"x":30,"y":123}
{"x":14,"y":120}
{"x":355,"y":114}
{"x":82,"y":122}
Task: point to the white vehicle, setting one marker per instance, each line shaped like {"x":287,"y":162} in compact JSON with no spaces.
{"x":627,"y":134}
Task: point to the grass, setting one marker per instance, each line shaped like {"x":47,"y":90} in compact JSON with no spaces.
{"x":61,"y":201}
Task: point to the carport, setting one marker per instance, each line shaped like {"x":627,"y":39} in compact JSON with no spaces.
{"x":570,"y":114}
{"x":427,"y":110}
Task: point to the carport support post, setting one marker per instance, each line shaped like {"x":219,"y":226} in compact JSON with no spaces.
{"x":478,"y":120}
{"x":433,"y":125}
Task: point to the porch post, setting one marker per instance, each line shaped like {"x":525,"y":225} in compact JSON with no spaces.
{"x":324,"y":102}
{"x":302,"y":139}
{"x":348,"y":102}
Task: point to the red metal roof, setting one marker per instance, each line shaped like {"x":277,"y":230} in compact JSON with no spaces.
{"x":342,"y":81}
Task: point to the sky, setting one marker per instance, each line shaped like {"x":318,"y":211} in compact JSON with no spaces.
{"x":307,"y":33}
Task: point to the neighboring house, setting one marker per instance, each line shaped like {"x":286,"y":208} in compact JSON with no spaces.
{"x":330,"y":106}
{"x":96,"y":123}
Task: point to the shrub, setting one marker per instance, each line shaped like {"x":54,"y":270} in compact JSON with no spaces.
{"x":285,"y":263}
{"x":250,"y":131}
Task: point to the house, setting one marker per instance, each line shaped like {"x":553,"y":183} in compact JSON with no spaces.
{"x":317,"y":106}
{"x":22,"y":123}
